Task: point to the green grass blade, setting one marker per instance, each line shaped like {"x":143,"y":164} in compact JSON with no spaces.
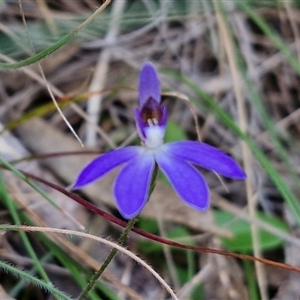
{"x":19,"y":273}
{"x":78,"y":273}
{"x":251,"y":280}
{"x":61,"y":42}
{"x":13,"y":211}
{"x":39,"y":56}
{"x":20,"y":285}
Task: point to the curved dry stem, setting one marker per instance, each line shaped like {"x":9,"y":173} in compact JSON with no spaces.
{"x":98,"y":239}
{"x":192,"y":108}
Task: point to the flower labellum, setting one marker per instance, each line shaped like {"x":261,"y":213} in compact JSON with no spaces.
{"x":175,"y":160}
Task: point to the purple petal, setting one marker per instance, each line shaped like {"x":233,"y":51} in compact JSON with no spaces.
{"x":164,"y":118}
{"x":187,"y":182}
{"x":139,"y":124}
{"x":105,"y":163}
{"x":149,"y":84}
{"x":131,"y":187}
{"x":207,"y":157}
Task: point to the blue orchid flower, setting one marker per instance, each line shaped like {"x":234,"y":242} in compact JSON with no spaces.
{"x":175,"y":160}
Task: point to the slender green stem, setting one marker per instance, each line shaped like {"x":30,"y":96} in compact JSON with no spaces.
{"x":121,"y":241}
{"x":109,"y":258}
{"x":40,"y":283}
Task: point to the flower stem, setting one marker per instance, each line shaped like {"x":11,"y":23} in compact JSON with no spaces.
{"x":121,"y":241}
{"x":109,"y":258}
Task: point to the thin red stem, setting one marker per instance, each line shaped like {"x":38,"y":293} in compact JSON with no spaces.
{"x":154,"y":237}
